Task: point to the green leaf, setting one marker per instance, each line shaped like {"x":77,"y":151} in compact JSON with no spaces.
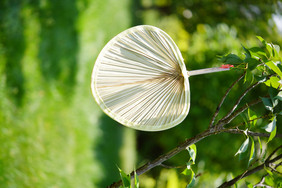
{"x":268,"y":171}
{"x":276,"y":51}
{"x":243,"y":147}
{"x":261,"y":39}
{"x":231,"y":59}
{"x":263,"y":157}
{"x":271,"y":126}
{"x":188,"y":172}
{"x":258,"y":53}
{"x":191,"y":184}
{"x":274,"y":82}
{"x":272,"y":93}
{"x":248,"y":76}
{"x":269,"y":49}
{"x":260,"y":146}
{"x":191,"y":176}
{"x":125,"y":179}
{"x":252,"y":117}
{"x":247,"y":54}
{"x":249,"y":185}
{"x":277,"y":110}
{"x":272,"y":134}
{"x":269,"y":180}
{"x":192,"y":152}
{"x":260,"y":78}
{"x":274,"y":67}
{"x":136,"y":180}
{"x":267,"y":103}
{"x":252,"y":63}
{"x":252,"y":154}
{"x":279,"y":96}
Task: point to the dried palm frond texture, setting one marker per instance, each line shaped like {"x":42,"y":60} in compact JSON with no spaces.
{"x":140,"y":80}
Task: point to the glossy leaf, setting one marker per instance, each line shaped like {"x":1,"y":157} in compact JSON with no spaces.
{"x":272,"y":134}
{"x":279,"y":96}
{"x":191,"y":184}
{"x":260,"y":78}
{"x":274,"y":81}
{"x":269,"y":49}
{"x":271,"y":126}
{"x":231,"y":59}
{"x":252,"y":152}
{"x":258,"y":53}
{"x":273,"y":67}
{"x":268,"y":171}
{"x":247,"y":54}
{"x":261,"y":39}
{"x":191,"y":176}
{"x":269,"y":179}
{"x":125,"y":178}
{"x":272,"y":93}
{"x":252,"y":117}
{"x":136,"y":180}
{"x":260,"y":146}
{"x":252,"y":63}
{"x":192,"y":152}
{"x":267,"y":103}
{"x":249,"y":185}
{"x":243,"y":148}
{"x":277,"y":50}
{"x":248,"y":76}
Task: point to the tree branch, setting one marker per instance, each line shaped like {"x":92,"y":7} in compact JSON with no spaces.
{"x":210,"y":131}
{"x":260,"y":184}
{"x":254,"y":170}
{"x":230,"y":117}
{"x":174,"y":167}
{"x":251,"y":120}
{"x":223,"y":98}
{"x":158,"y":161}
{"x":268,"y":158}
{"x":239,"y":100}
{"x":251,"y":133}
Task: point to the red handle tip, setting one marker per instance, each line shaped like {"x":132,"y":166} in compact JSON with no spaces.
{"x":227,"y":66}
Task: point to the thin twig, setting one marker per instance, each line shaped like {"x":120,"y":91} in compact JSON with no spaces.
{"x":223,"y":98}
{"x":251,"y":120}
{"x":260,"y":184}
{"x":251,"y":133}
{"x":240,"y":99}
{"x":169,"y":167}
{"x":269,"y":157}
{"x":227,"y":120}
{"x":252,"y":171}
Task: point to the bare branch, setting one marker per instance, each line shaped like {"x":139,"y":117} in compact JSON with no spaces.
{"x":254,"y":170}
{"x":230,"y":117}
{"x":223,"y":98}
{"x":169,"y":167}
{"x":239,"y":100}
{"x":261,"y":117}
{"x":251,"y":133}
{"x":269,"y":157}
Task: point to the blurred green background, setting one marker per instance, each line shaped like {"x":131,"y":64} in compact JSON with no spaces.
{"x":53,"y":134}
